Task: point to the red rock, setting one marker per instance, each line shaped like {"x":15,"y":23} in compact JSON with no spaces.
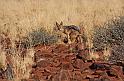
{"x":67,"y":66}
{"x":61,"y":49}
{"x":52,"y":69}
{"x":62,"y":65}
{"x":89,"y":76}
{"x":44,"y":48}
{"x":100,"y":73}
{"x":77,"y":76}
{"x":43,"y":63}
{"x":39,"y":55}
{"x":63,"y":75}
{"x":70,"y":57}
{"x":78,"y":63}
{"x":67,"y":58}
{"x":56,"y":77}
{"x":56,"y":62}
{"x":3,"y":80}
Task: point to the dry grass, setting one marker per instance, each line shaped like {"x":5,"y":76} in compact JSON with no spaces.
{"x":22,"y":67}
{"x":18,"y":17}
{"x":2,"y":59}
{"x":31,"y":14}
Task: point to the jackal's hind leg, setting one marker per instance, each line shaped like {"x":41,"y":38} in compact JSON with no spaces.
{"x":79,"y":39}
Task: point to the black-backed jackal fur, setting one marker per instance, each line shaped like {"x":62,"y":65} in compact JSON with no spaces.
{"x":68,"y":34}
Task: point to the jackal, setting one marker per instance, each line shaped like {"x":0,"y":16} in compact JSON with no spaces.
{"x":68,"y":34}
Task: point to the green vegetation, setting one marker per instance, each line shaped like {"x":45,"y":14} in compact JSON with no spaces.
{"x":41,"y":36}
{"x":112,"y":36}
{"x":112,"y":33}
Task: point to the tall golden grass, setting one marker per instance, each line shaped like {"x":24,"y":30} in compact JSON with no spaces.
{"x":31,"y":14}
{"x":22,"y":16}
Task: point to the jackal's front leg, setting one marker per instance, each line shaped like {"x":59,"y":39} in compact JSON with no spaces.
{"x":69,"y":41}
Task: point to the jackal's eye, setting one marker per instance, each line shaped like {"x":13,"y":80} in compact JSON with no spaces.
{"x":59,"y":36}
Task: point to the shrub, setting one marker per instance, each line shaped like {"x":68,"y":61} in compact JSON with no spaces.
{"x":100,"y":38}
{"x":117,"y":54}
{"x":41,"y":36}
{"x":111,"y":35}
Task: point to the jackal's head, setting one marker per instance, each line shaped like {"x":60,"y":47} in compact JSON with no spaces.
{"x":59,"y":27}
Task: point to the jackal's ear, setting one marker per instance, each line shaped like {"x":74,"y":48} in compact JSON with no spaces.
{"x":57,"y":24}
{"x":57,"y":27}
{"x":61,"y":23}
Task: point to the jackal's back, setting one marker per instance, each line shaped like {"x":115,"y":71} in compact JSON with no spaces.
{"x":72,"y":27}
